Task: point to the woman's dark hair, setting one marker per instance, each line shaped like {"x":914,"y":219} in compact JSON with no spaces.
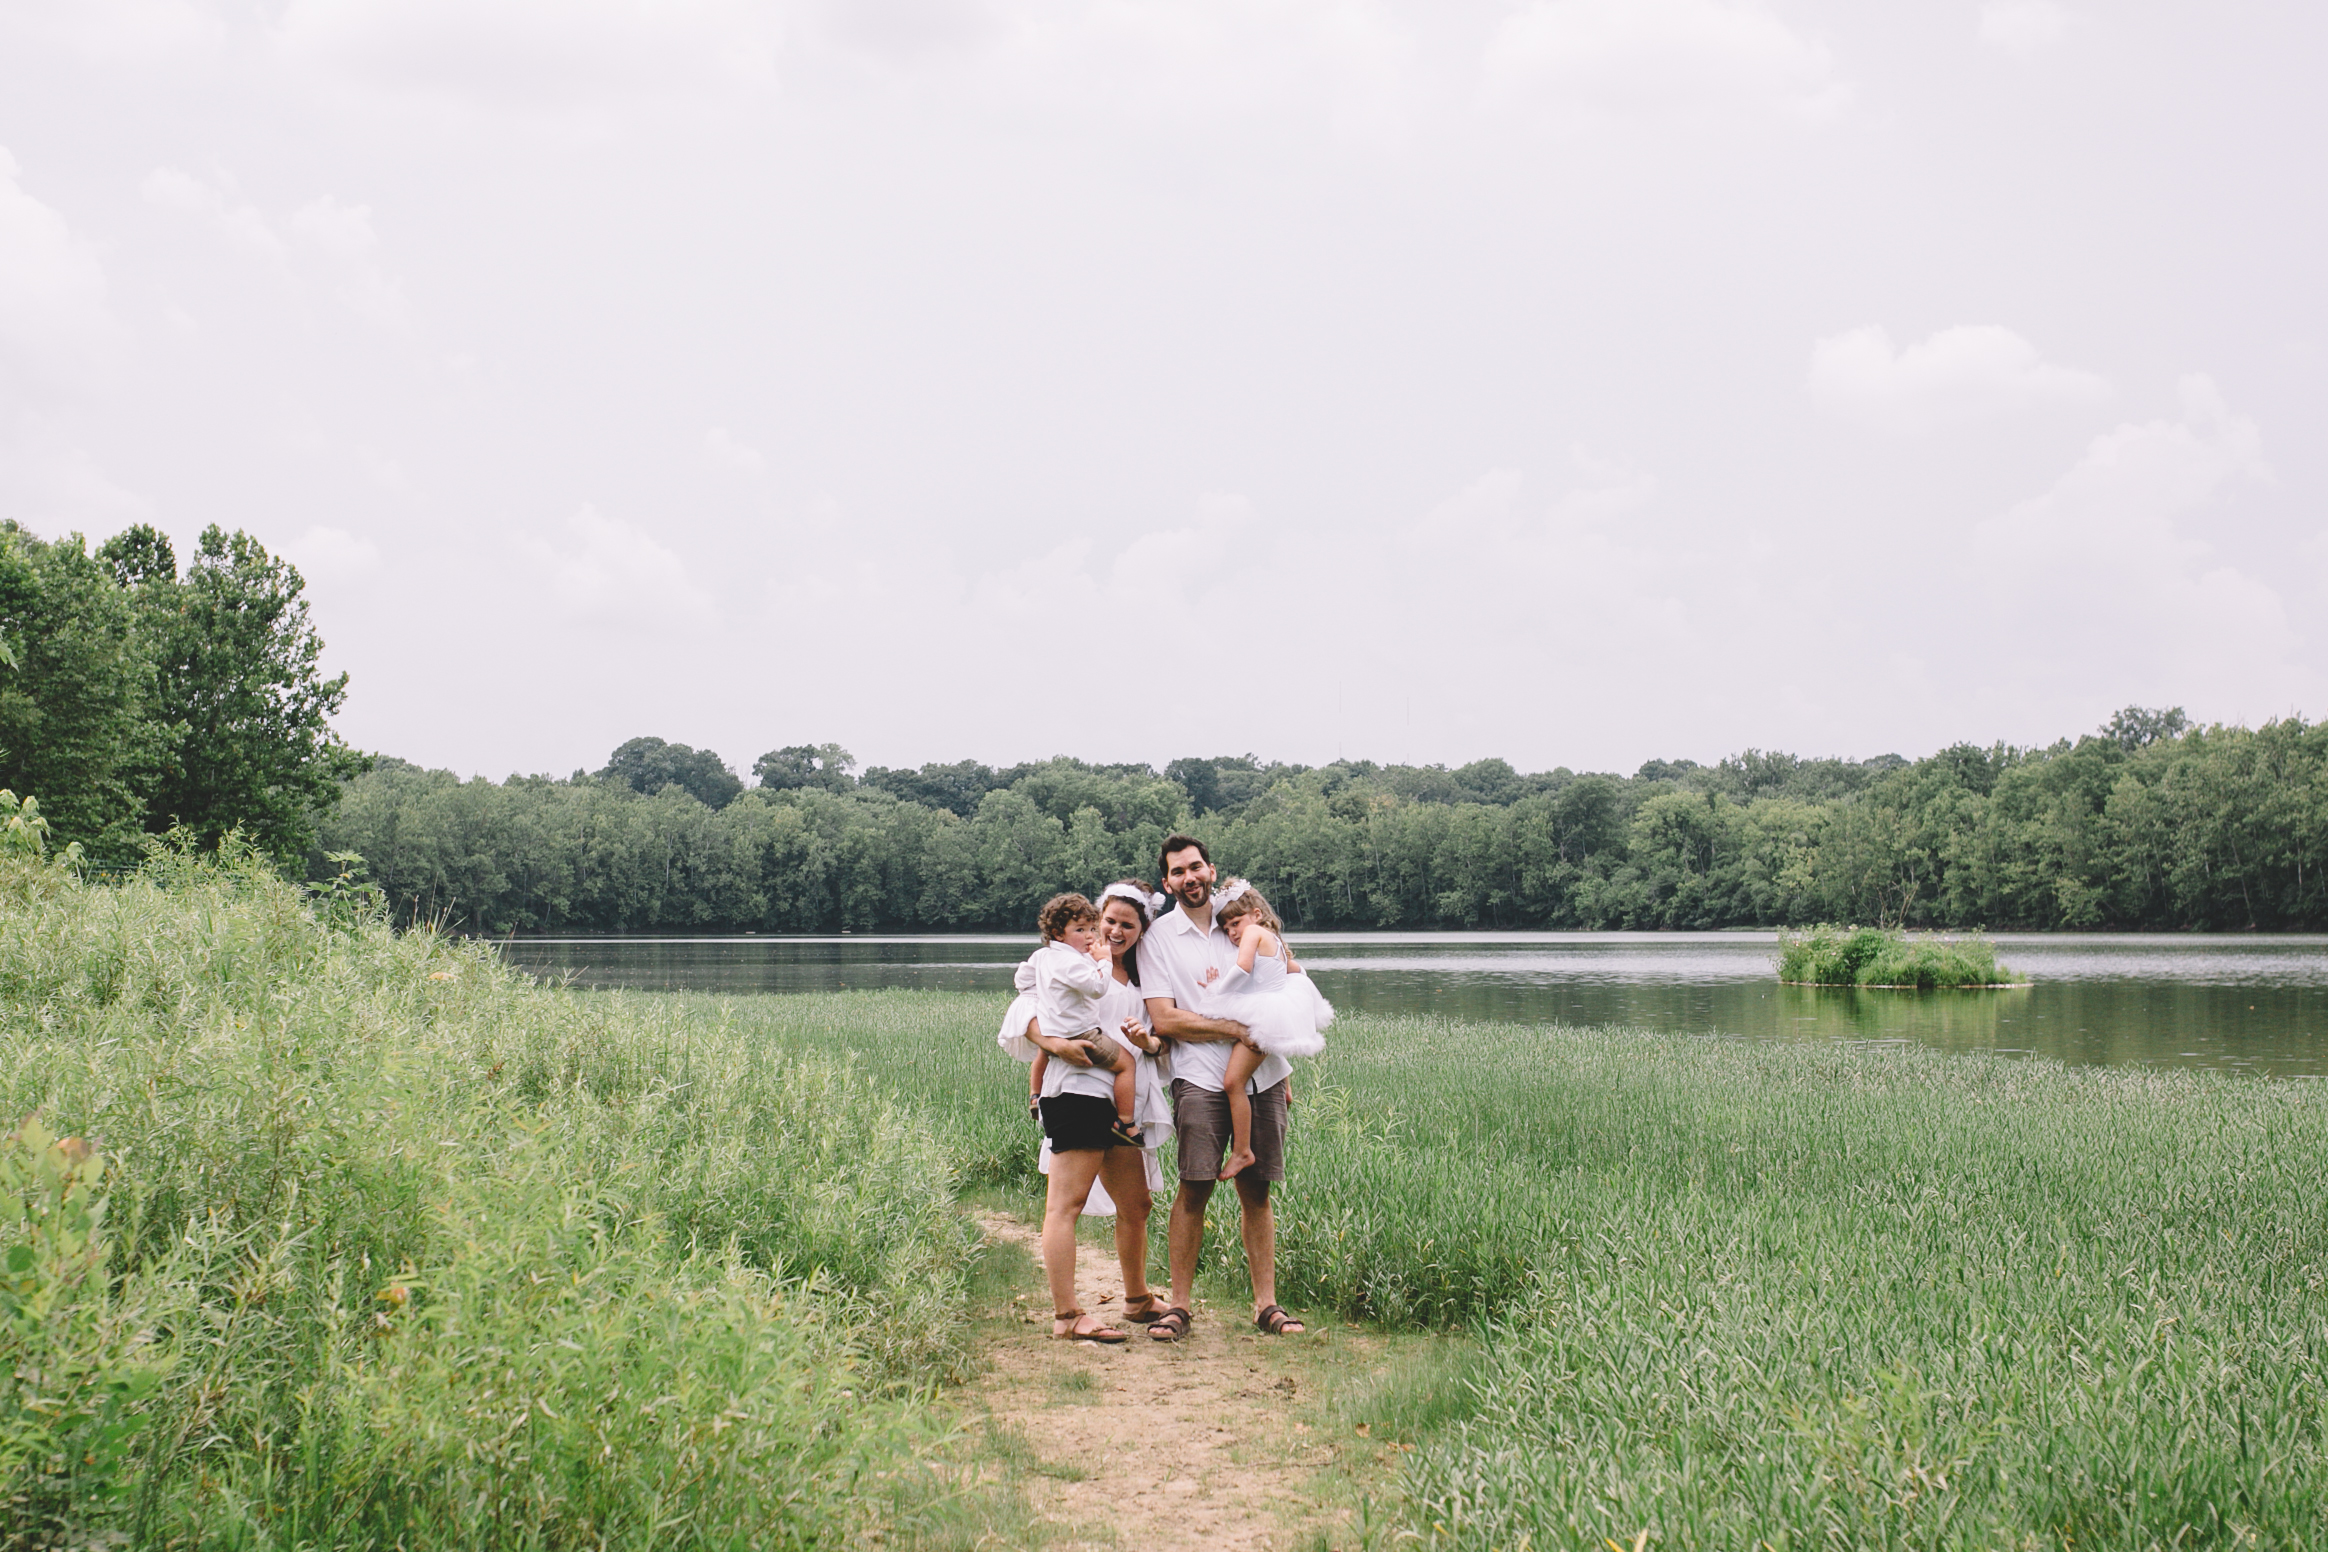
{"x":1139,"y":906}
{"x":1061,"y":912}
{"x":1173,"y":843}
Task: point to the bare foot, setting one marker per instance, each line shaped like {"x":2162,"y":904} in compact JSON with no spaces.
{"x":1235,"y":1162}
{"x":1076,"y":1326}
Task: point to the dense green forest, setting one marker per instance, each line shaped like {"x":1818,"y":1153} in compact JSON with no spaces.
{"x":135,"y":697}
{"x":2147,"y":823}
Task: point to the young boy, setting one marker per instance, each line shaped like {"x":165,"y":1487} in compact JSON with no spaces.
{"x":1072,"y":971}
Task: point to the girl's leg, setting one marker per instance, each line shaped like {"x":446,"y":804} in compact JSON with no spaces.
{"x":1071,"y":1177}
{"x":1125,"y":1174}
{"x":1244,"y":1061}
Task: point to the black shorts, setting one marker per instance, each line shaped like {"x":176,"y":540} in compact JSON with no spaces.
{"x":1080,"y":1122}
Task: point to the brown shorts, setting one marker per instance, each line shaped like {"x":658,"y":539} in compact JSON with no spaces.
{"x":1200,"y":1124}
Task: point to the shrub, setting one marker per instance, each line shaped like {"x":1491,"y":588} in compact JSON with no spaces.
{"x":379,"y":1243}
{"x":1874,"y":956}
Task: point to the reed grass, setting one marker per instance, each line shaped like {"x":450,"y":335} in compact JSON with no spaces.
{"x":1741,"y":1294}
{"x":1882,"y":957}
{"x":326,"y":1236}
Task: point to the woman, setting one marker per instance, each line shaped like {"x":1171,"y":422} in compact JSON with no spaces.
{"x":1081,"y":1154}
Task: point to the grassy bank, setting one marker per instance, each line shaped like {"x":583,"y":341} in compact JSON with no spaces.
{"x":363,"y":1241}
{"x":1740,"y":1294}
{"x":1875,"y":956}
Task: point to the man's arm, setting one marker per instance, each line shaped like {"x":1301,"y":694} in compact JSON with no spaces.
{"x":1173,"y":1022}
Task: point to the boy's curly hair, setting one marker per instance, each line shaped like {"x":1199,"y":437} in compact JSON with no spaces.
{"x":1250,"y":903}
{"x":1061,"y":912}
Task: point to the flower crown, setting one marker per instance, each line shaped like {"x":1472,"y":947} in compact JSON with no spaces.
{"x":1234,"y":889}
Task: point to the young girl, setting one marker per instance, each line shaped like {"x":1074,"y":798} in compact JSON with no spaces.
{"x":1283,"y":1015}
{"x":1071,"y":974}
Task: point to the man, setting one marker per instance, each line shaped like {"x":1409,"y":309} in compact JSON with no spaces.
{"x":1182,"y":954}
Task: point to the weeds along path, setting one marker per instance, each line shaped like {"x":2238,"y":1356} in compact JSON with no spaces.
{"x":1154,"y":1446}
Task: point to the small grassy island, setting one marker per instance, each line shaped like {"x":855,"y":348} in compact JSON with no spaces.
{"x":1886,"y":958}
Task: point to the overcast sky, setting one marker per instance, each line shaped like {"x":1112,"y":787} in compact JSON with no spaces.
{"x":1577,"y":381}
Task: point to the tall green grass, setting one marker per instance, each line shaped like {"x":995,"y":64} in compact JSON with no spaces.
{"x":361,"y":1240}
{"x":1876,"y":956}
{"x":1742,"y":1294}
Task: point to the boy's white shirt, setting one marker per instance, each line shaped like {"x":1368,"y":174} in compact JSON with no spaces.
{"x":1181,"y":953}
{"x":1117,"y":1002}
{"x":1069,"y":986}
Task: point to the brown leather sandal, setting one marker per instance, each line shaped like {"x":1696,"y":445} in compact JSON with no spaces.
{"x":1104,"y":1335}
{"x":1273,"y":1321}
{"x":1144,"y":1310}
{"x":1170,"y":1326}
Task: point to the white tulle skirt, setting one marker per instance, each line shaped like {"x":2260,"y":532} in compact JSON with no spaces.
{"x":1287,"y":1016}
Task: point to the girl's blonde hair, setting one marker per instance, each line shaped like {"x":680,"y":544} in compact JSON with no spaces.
{"x":1248,"y":901}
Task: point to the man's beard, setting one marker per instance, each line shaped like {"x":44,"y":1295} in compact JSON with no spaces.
{"x":1200,"y":901}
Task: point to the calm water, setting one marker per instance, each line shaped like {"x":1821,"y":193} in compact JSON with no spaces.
{"x":2256,"y":1003}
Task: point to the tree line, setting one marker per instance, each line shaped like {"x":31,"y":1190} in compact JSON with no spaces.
{"x":136,"y":697}
{"x":2147,"y":823}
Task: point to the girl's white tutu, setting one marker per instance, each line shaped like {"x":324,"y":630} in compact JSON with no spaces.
{"x":1285,"y":1013}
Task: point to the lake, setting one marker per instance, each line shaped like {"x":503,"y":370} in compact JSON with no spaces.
{"x":2252,"y":1003}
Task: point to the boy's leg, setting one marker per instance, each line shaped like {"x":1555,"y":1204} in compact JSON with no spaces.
{"x":1124,"y":1096}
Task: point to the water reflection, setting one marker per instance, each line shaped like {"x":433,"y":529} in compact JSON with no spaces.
{"x":2241,"y":1002}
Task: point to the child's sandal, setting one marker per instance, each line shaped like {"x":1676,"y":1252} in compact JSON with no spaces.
{"x":1126,"y":1132}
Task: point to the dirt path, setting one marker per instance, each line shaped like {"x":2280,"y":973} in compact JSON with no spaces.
{"x":1227,"y":1464}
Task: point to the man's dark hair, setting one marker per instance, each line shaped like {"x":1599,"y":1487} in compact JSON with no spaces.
{"x":1173,"y":843}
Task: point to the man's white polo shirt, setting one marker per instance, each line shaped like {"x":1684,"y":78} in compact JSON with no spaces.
{"x":1174,"y":955}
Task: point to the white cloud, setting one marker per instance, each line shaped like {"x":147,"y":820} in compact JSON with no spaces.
{"x":122,"y":30}
{"x":333,"y":554}
{"x":722,"y":448}
{"x":910,"y":29}
{"x":1959,"y":374}
{"x":612,"y":573}
{"x":343,"y":235}
{"x":557,"y":58}
{"x":335,"y":240}
{"x":2022,"y":28}
{"x":51,"y":483}
{"x":1196,"y":69}
{"x":2099,"y":578}
{"x":219,"y":207}
{"x":54,"y":324}
{"x":1660,"y":55}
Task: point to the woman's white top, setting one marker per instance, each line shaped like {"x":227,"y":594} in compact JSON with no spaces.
{"x":1118,"y":1001}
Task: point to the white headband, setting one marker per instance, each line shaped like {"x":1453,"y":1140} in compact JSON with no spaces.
{"x":1231,"y":890}
{"x":1128,"y":892}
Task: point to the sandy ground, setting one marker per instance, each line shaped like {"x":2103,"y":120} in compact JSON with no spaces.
{"x":1188,"y":1444}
